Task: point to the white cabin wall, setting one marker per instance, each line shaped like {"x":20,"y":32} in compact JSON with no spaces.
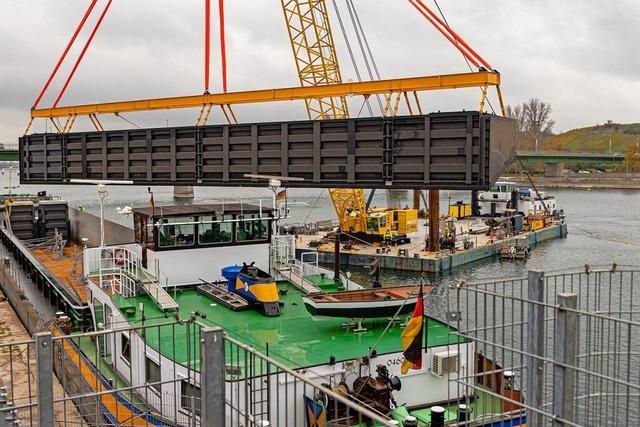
{"x":421,"y":386}
{"x":188,"y":266}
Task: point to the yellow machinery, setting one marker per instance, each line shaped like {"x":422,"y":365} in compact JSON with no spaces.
{"x":460,"y":210}
{"x":371,"y":224}
{"x":317,"y":64}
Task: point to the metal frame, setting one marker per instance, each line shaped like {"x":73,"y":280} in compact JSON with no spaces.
{"x":232,"y":379}
{"x":407,"y":84}
{"x":315,"y":55}
{"x":569,"y":337}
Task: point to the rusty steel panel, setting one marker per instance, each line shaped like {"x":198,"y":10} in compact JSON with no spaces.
{"x":457,"y":150}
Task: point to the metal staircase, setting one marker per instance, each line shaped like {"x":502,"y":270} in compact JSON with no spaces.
{"x":118,"y":265}
{"x":157,"y":293}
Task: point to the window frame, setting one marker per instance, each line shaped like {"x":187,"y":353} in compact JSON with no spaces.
{"x":167,"y":221}
{"x":148,"y":380}
{"x":255,"y":218}
{"x":125,"y":356}
{"x":183,"y":396}
{"x":214,"y":217}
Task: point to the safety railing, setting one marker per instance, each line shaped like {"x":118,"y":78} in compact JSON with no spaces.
{"x":557,"y":348}
{"x":119,"y":269}
{"x":177,"y":373}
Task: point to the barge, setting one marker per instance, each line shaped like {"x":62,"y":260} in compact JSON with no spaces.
{"x":152,"y":282}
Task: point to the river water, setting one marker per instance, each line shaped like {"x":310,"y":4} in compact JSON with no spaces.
{"x":603,"y":225}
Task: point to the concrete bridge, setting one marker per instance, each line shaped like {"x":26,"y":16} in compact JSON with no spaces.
{"x":8,"y":152}
{"x":554,"y":160}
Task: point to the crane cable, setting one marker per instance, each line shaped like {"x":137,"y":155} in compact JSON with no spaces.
{"x":465,"y":58}
{"x":364,"y":48}
{"x":82,"y":53}
{"x":352,"y":56}
{"x":64,"y":53}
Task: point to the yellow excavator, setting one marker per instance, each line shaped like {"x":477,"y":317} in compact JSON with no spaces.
{"x":357,"y":219}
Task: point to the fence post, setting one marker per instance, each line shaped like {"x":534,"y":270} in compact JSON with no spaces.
{"x":212,"y":385}
{"x":535,"y":346}
{"x":44,"y":377}
{"x":565,"y":354}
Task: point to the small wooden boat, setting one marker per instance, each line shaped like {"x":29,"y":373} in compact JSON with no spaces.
{"x":365,"y":303}
{"x":520,"y":250}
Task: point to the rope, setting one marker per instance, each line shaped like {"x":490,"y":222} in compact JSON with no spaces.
{"x":223,"y":47}
{"x":544,"y":205}
{"x":127,"y":120}
{"x":465,"y":58}
{"x":313,"y":207}
{"x":64,"y":53}
{"x":610,"y":239}
{"x":360,"y":240}
{"x":207,"y":38}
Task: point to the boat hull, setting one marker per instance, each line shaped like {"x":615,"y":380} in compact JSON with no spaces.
{"x":360,"y":309}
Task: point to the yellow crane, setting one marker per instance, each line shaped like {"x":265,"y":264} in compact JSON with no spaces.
{"x":314,"y":51}
{"x":321,"y":88}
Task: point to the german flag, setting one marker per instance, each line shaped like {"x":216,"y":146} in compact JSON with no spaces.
{"x":152,"y":204}
{"x":281,"y":196}
{"x":412,"y":338}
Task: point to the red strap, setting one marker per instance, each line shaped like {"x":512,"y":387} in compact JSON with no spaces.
{"x":84,"y":50}
{"x":223,"y":49}
{"x":450,"y":34}
{"x":207,"y":38}
{"x":64,"y":54}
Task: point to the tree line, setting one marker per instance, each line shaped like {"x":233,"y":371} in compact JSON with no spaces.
{"x":533,"y":122}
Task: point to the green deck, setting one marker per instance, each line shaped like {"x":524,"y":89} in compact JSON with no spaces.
{"x":294,"y":338}
{"x":325,"y":283}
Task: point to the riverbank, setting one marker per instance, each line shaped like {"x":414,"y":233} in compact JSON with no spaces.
{"x":613,"y":181}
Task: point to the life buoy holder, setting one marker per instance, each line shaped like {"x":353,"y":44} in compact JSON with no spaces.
{"x":119,"y":256}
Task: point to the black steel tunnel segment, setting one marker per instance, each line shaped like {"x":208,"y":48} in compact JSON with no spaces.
{"x":464,"y":150}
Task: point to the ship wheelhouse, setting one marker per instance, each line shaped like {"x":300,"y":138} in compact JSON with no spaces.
{"x":194,"y":242}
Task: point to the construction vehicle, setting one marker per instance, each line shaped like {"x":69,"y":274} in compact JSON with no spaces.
{"x":371,"y":224}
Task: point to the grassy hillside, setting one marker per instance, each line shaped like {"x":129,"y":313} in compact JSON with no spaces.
{"x":595,"y":138}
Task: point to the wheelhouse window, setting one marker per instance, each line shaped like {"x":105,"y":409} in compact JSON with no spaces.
{"x":153,"y":374}
{"x":215,"y":233}
{"x":250,"y":228}
{"x":176,"y":232}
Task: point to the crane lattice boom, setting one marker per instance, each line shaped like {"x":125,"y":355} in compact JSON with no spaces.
{"x":315,"y":54}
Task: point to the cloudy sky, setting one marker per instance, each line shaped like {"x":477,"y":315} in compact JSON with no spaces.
{"x":581,"y":56}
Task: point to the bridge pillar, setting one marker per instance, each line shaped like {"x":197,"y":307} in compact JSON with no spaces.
{"x":554,"y":170}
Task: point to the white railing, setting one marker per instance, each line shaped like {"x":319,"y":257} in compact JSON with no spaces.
{"x":307,"y":265}
{"x":108,"y":260}
{"x":119,"y":270}
{"x":283,"y":250}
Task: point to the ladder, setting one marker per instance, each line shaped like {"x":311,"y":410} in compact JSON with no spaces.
{"x":157,"y":293}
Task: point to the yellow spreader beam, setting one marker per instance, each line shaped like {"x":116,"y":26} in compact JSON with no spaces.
{"x":408,"y":84}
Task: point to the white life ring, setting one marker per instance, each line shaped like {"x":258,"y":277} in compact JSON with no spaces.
{"x":119,"y":256}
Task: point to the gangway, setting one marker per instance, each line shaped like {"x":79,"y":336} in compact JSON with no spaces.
{"x":294,"y":275}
